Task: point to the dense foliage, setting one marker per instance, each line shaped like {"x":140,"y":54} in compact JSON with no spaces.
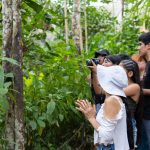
{"x":55,"y":74}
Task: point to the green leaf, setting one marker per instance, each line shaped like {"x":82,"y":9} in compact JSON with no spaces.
{"x":3,"y":91}
{"x":7,"y":84}
{"x":3,"y":104}
{"x":34,"y":5}
{"x":61,"y":117}
{"x":13,"y":61}
{"x":10,"y":75}
{"x":51,"y":107}
{"x":33,"y":125}
{"x":1,"y":77}
{"x":41,"y":123}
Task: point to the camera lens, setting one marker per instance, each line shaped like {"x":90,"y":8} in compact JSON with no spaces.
{"x":95,"y":60}
{"x":89,"y":63}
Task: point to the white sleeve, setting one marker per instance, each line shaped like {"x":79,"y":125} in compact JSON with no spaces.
{"x":107,"y":128}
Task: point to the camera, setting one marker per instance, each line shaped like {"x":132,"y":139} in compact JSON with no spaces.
{"x":95,"y":60}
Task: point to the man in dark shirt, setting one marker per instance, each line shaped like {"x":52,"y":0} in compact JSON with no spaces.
{"x":98,"y":97}
{"x":144,"y":50}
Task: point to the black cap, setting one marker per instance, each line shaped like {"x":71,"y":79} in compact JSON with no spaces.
{"x":103,"y":52}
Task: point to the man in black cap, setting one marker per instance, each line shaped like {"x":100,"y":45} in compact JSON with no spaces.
{"x":101,"y":54}
{"x":97,"y":95}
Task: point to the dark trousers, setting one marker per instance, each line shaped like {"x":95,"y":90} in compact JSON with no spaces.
{"x":144,"y":142}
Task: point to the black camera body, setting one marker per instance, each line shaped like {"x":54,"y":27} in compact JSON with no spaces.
{"x":95,"y":60}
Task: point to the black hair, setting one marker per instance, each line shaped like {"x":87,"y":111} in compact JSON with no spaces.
{"x":114,"y":59}
{"x":129,"y":123}
{"x":145,"y":38}
{"x":123,"y":57}
{"x":131,"y":65}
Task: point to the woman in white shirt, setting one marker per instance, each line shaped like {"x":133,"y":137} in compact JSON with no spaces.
{"x":110,"y":128}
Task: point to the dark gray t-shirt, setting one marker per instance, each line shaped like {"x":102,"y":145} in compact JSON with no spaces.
{"x":146,"y":98}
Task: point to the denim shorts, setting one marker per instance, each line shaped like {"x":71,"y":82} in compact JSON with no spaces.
{"x":103,"y":147}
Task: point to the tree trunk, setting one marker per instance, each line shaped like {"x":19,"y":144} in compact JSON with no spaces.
{"x":12,"y":48}
{"x":66,"y":21}
{"x":18,"y":80}
{"x":76,"y":27}
{"x":7,"y":52}
{"x":85,"y":26}
{"x":122,"y":2}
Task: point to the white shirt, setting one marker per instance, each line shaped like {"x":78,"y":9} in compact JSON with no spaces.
{"x":114,"y":130}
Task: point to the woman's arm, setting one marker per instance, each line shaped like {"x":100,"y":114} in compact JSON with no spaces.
{"x":111,"y":109}
{"x":133,"y":90}
{"x":89,"y":111}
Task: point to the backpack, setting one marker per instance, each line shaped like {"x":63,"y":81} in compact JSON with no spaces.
{"x":129,"y":124}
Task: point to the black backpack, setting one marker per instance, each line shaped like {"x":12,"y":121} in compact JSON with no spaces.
{"x":129,"y":124}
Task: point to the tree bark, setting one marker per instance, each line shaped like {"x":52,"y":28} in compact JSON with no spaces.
{"x":12,"y":48}
{"x":76,"y":27}
{"x":122,"y":2}
{"x":66,"y":21}
{"x":85,"y":26}
{"x":18,"y":80}
{"x":7,"y":52}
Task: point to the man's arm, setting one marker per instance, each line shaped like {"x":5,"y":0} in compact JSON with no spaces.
{"x":95,"y":82}
{"x":96,"y":85}
{"x":146,"y":91}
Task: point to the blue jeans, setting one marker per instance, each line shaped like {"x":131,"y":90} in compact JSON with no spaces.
{"x":146,"y":124}
{"x":134,"y":130}
{"x":144,"y":142}
{"x":103,"y":147}
{"x":98,"y":106}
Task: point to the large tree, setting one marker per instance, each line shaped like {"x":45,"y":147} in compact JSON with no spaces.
{"x":66,"y":21}
{"x":12,"y":48}
{"x":76,"y":26}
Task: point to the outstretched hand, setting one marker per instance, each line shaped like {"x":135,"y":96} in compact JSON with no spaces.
{"x":86,"y":108}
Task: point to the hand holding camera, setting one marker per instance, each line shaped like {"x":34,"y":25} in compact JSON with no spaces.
{"x":95,"y":60}
{"x":92,"y":64}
